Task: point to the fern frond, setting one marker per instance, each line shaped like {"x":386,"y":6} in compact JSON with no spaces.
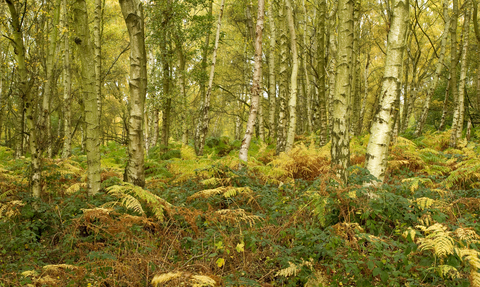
{"x":424,"y":202}
{"x":468,"y":235}
{"x":447,"y":271}
{"x":237,"y":215}
{"x":292,"y":269}
{"x":75,"y":187}
{"x":11,"y":208}
{"x":130,"y":195}
{"x":414,"y":182}
{"x":128,"y":201}
{"x":56,"y":267}
{"x":29,"y":273}
{"x":202,"y":281}
{"x":438,"y":239}
{"x":474,"y":279}
{"x":165,"y":277}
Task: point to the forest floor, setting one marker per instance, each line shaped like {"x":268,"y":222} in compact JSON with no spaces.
{"x":279,"y":221}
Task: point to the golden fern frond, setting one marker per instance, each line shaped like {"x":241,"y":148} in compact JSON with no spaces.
{"x":11,"y":208}
{"x":467,"y":234}
{"x":292,"y":269}
{"x":470,"y":256}
{"x":128,"y":201}
{"x":414,"y":182}
{"x":29,"y":273}
{"x":447,"y":271}
{"x":56,"y":267}
{"x":202,"y":281}
{"x":75,"y":187}
{"x":438,"y":239}
{"x":206,"y":193}
{"x":237,"y":190}
{"x":216,"y":181}
{"x":157,"y":204}
{"x":424,"y":202}
{"x":187,"y":152}
{"x":165,"y":277}
{"x":237,"y":215}
{"x":98,"y":212}
{"x":409,"y":233}
{"x":474,"y":279}
{"x":467,"y":173}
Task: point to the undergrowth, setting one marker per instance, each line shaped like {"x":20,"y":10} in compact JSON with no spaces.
{"x":279,"y":221}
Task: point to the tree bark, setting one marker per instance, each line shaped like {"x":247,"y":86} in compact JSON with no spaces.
{"x":87,"y":58}
{"x":282,"y":124}
{"x":453,"y":69}
{"x":459,"y":112}
{"x":340,"y":149}
{"x":320,"y":126}
{"x":132,"y":11}
{"x":256,"y":88}
{"x":272,"y":90}
{"x":382,"y":126}
{"x":44,"y":124}
{"x":29,"y":101}
{"x":67,"y":87}
{"x":292,"y":103}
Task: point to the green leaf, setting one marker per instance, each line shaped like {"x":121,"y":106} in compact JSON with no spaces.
{"x":370,"y":264}
{"x":376,"y":271}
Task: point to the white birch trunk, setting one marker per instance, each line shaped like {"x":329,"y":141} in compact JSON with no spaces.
{"x":382,"y":126}
{"x":132,"y":11}
{"x":256,"y":88}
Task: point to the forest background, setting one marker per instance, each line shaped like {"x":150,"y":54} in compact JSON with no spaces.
{"x":251,"y":143}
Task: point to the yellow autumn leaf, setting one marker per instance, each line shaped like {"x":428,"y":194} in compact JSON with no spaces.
{"x":220,"y":262}
{"x":240,"y":247}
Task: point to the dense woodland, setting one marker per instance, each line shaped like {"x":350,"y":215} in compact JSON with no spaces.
{"x":239,"y":143}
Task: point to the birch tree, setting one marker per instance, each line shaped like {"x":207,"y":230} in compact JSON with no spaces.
{"x":67,"y":86}
{"x":86,"y":54}
{"x":24,"y":89}
{"x":256,"y":88}
{"x":383,"y":121}
{"x":340,"y":149}
{"x":132,"y":11}
{"x":272,"y":87}
{"x":292,"y":103}
{"x":282,"y":92}
{"x":459,"y":112}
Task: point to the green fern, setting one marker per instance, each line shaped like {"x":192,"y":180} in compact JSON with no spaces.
{"x":131,"y":195}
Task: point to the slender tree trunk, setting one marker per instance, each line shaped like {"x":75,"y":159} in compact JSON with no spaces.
{"x":308,"y":92}
{"x":340,"y":149}
{"x":320,"y":123}
{"x":292,"y":103}
{"x":44,"y":124}
{"x":445,"y":105}
{"x":256,"y":84}
{"x":453,"y":70}
{"x":377,"y":149}
{"x":365,"y":96}
{"x":183,"y":92}
{"x":29,"y":107}
{"x":132,"y":11}
{"x":356,"y":97}
{"x":438,"y":71}
{"x":86,"y":54}
{"x":97,"y":35}
{"x":203,"y":89}
{"x":282,"y":124}
{"x":332,"y":47}
{"x":272,"y":90}
{"x":459,"y":112}
{"x":67,"y":87}
{"x":261,"y":125}
{"x":477,"y":35}
{"x":204,"y":120}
